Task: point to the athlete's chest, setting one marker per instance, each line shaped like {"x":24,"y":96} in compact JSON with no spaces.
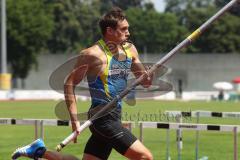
{"x":120,"y":69}
{"x":107,"y":61}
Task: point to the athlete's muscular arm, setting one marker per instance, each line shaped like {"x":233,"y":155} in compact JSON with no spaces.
{"x":80,"y":70}
{"x":138,"y":69}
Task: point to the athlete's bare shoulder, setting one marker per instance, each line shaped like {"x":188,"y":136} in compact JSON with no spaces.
{"x":129,"y":45}
{"x":92,"y":56}
{"x":94,"y":51}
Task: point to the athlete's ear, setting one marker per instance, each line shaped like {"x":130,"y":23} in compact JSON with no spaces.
{"x":109,"y":31}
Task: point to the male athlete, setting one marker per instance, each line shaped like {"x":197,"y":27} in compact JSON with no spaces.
{"x":106,"y":65}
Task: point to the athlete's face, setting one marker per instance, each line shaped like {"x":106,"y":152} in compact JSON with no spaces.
{"x":121,"y":33}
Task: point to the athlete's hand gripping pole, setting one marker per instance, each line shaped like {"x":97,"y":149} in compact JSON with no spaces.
{"x":183,"y":44}
{"x":72,"y":136}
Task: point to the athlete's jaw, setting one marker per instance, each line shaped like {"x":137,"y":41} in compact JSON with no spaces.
{"x":122,"y":40}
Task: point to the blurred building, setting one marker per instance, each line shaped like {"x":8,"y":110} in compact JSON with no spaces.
{"x":187,"y":72}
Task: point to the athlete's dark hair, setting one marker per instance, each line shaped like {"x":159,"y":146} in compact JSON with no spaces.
{"x":111,"y":19}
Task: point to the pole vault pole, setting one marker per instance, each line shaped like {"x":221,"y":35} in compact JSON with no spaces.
{"x":175,"y":50}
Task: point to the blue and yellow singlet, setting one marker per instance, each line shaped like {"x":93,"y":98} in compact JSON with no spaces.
{"x":113,"y":80}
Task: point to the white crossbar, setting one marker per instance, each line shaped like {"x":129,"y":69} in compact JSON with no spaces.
{"x":204,"y":114}
{"x":50,"y":122}
{"x":190,"y":126}
{"x":46,"y":122}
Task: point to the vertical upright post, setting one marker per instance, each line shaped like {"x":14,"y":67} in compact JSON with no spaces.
{"x":41,"y":129}
{"x":3,"y":38}
{"x":141,"y":132}
{"x":179,"y":136}
{"x":36,"y":129}
{"x":131,"y":126}
{"x":168,"y":142}
{"x":235,"y":135}
{"x":197,"y":138}
{"x":5,"y":78}
{"x":168,"y":145}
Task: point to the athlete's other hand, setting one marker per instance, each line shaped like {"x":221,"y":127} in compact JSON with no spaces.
{"x":147,"y":82}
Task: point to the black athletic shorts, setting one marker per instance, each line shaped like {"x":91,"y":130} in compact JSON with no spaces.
{"x":108,"y":133}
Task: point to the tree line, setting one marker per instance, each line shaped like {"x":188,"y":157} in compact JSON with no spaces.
{"x":67,"y":26}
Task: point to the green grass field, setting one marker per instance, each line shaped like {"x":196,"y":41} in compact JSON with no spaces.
{"x":215,"y":145}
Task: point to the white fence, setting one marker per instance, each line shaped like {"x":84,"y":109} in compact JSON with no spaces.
{"x":178,"y":115}
{"x":53,"y":95}
{"x":192,"y":127}
{"x":40,"y":123}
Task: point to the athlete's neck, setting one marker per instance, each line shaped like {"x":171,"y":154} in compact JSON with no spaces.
{"x":113,"y":46}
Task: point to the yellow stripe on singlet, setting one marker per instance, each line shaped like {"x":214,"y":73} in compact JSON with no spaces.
{"x":104,"y":76}
{"x":126,"y":48}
